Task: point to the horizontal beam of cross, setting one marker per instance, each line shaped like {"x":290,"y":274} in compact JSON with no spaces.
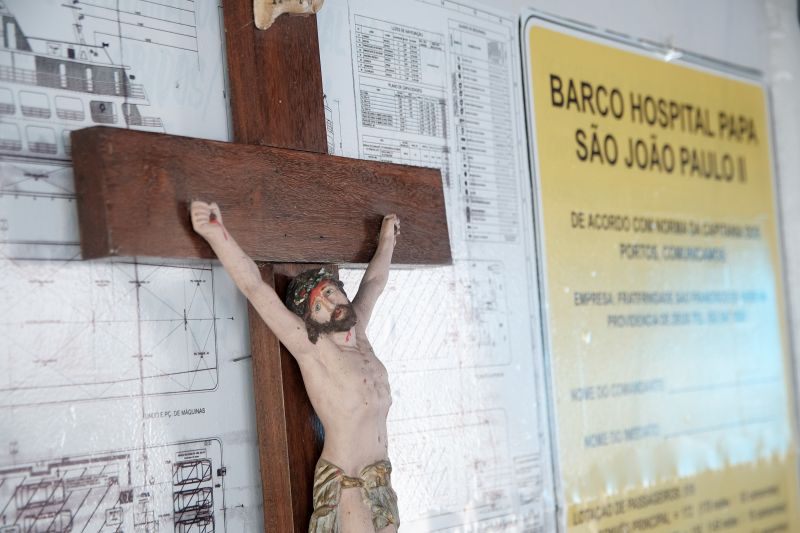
{"x":282,"y":205}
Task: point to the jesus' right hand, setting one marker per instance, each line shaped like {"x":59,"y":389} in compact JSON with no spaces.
{"x":207,"y":220}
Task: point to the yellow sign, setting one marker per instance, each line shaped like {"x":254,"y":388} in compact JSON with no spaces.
{"x":660,"y":260}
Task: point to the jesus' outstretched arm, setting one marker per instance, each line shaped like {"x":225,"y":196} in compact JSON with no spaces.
{"x":287,"y":326}
{"x":377,"y":274}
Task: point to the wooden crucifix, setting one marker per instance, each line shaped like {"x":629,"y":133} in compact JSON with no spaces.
{"x":275,"y":185}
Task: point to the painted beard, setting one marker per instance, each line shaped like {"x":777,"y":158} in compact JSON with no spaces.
{"x":345,"y":320}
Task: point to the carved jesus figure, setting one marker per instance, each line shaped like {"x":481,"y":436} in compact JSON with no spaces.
{"x":347,"y":385}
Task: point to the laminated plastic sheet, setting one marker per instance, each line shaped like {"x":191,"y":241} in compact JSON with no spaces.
{"x":666,"y":331}
{"x":438,"y":84}
{"x":125,"y":397}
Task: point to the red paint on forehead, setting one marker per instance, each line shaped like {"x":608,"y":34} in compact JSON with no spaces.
{"x":316,"y":290}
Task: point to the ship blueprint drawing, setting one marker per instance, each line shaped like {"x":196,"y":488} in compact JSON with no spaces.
{"x":114,"y":372}
{"x":175,"y":487}
{"x":135,"y":64}
{"x":127,"y":332}
{"x":52,"y":87}
{"x":122,"y":382}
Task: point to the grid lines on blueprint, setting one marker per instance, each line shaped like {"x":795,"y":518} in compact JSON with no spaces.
{"x":110,"y":329}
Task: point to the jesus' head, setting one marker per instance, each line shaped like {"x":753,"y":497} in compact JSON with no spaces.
{"x":319,"y":299}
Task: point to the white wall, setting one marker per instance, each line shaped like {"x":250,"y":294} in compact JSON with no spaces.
{"x":783,"y":39}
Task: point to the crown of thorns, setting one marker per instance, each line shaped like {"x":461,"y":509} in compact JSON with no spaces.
{"x":302,"y":285}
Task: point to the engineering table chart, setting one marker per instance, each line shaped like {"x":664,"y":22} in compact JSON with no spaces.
{"x":484,"y":159}
{"x":405,"y":152}
{"x":468,"y":441}
{"x":398,"y":91}
{"x":403,"y":109}
{"x":400,"y":88}
{"x":394,"y":51}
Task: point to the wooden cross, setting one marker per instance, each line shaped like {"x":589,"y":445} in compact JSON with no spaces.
{"x":282,"y":198}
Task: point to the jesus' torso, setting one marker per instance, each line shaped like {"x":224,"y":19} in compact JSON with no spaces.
{"x":349,"y":389}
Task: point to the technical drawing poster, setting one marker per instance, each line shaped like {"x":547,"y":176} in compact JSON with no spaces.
{"x":112,"y":492}
{"x":125,"y":396}
{"x":437,"y":84}
{"x":662,"y":269}
{"x":126,"y":392}
{"x":130,"y":361}
{"x":138,"y":64}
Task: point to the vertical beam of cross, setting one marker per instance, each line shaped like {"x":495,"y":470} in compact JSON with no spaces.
{"x":276,"y":99}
